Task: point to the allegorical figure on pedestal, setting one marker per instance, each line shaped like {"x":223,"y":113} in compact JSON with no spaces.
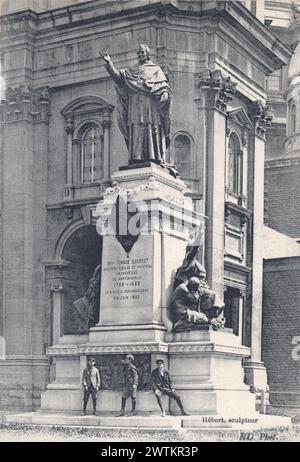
{"x":84,"y":312}
{"x":193,"y":303}
{"x":143,"y":107}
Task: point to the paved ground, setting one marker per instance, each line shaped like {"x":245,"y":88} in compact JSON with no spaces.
{"x":90,"y":431}
{"x":94,"y":434}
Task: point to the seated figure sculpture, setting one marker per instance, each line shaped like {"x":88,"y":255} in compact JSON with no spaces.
{"x":193,"y":303}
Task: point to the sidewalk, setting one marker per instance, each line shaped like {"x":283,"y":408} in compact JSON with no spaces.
{"x":41,"y":426}
{"x":214,"y":422}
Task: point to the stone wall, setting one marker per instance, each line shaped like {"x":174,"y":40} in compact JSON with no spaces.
{"x":282,"y":196}
{"x":281,"y":324}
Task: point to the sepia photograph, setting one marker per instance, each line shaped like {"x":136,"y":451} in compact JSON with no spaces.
{"x":149,"y":224}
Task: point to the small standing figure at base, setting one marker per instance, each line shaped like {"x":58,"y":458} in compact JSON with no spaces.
{"x":162,"y":385}
{"x":91,"y":384}
{"x":143,"y":107}
{"x":131,"y":381}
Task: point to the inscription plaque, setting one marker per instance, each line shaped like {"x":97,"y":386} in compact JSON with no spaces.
{"x":127,"y":281}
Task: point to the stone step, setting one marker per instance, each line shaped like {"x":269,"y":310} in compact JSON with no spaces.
{"x":254,"y":422}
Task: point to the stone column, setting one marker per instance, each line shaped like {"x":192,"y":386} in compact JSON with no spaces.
{"x":56,"y":289}
{"x":241,"y":315}
{"x":214,"y":92}
{"x":106,"y":123}
{"x":25,"y":118}
{"x":18,"y":164}
{"x":1,"y":207}
{"x":243,"y":197}
{"x":254,"y":369}
{"x":68,"y":191}
{"x":76,"y":164}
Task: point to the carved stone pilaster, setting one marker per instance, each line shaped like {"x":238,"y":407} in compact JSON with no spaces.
{"x":24,"y":103}
{"x":219,"y":88}
{"x":260,"y":116}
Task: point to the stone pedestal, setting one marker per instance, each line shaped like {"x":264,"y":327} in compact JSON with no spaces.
{"x":136,"y":284}
{"x":206,"y":367}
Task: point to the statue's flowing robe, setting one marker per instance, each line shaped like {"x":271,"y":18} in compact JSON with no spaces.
{"x":143,"y":120}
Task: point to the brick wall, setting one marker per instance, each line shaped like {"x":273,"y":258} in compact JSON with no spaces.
{"x":282,"y":198}
{"x":281,"y":323}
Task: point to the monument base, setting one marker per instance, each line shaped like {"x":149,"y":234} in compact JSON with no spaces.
{"x":137,"y":275}
{"x":205,"y":367}
{"x":173,"y":426}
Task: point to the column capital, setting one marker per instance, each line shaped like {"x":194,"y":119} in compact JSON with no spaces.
{"x":244,"y":138}
{"x":69,"y":125}
{"x":56,"y":286}
{"x":243,"y":292}
{"x":219,"y":88}
{"x":260,"y":116}
{"x":106,"y":120}
{"x":24,"y":103}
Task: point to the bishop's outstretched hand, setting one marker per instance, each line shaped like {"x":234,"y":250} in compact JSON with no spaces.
{"x":104,"y":55}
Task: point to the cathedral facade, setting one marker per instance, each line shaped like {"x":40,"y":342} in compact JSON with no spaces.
{"x":234,"y":138}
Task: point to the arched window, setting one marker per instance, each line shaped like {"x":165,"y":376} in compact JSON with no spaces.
{"x":234,"y":166}
{"x":182,"y":154}
{"x":293,"y":119}
{"x":91,"y":154}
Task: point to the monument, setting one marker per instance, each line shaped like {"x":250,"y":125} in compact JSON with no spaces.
{"x":154,"y":298}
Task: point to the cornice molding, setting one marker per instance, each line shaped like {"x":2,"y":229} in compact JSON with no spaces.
{"x":228,"y":11}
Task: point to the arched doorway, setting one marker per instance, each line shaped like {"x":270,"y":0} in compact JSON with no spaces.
{"x":82,"y":251}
